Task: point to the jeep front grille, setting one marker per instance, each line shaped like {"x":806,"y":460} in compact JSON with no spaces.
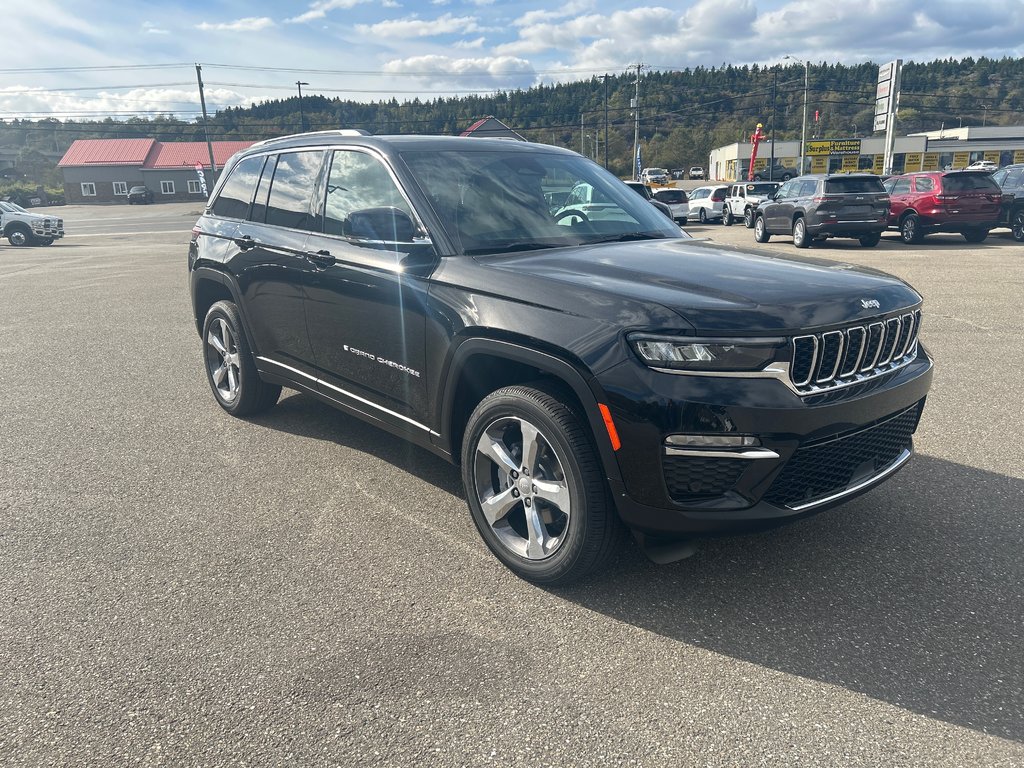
{"x":824,"y":361}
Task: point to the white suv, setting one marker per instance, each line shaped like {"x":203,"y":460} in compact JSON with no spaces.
{"x":654,"y":176}
{"x":742,"y":200}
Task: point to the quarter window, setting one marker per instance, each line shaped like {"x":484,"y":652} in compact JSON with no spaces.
{"x":120,"y":187}
{"x":291,"y":190}
{"x":234,"y":198}
{"x":924,"y":183}
{"x":88,"y":189}
{"x":167,"y":187}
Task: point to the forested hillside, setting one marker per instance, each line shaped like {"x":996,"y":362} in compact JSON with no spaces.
{"x":683,"y":114}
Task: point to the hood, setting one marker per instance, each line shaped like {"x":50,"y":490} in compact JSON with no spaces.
{"x":721,"y":290}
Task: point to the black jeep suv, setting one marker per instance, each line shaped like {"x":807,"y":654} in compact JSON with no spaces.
{"x":585,"y":371}
{"x":823,"y":206}
{"x":1011,"y":181}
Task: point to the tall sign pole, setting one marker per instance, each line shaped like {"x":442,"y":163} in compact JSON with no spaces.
{"x":636,"y":124}
{"x":206,"y":130}
{"x":887,"y":101}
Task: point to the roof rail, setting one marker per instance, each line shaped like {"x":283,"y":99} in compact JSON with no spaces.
{"x":332,"y":132}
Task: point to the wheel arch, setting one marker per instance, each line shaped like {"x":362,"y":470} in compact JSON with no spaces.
{"x":481,"y":365}
{"x":210,"y":286}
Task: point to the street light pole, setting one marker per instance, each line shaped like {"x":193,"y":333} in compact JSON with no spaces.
{"x":302,"y":118}
{"x":771,"y":161}
{"x":803,"y":127}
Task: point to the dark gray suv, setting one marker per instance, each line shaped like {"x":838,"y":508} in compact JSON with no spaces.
{"x":825,"y":205}
{"x":1011,"y":181}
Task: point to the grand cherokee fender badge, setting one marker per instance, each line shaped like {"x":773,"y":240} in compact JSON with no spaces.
{"x":870,"y":304}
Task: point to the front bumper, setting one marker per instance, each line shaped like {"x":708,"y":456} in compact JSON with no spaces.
{"x":48,"y":228}
{"x":813,"y":452}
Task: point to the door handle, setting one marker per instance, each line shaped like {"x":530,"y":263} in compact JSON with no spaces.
{"x":245,"y":242}
{"x":321,"y":258}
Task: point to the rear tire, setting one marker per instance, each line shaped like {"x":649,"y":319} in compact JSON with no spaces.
{"x":761,"y":230}
{"x":535,"y":487}
{"x":702,"y":216}
{"x":1017,"y":224}
{"x":870,"y":241}
{"x":910,"y":229}
{"x":800,"y":237}
{"x":230,"y":369}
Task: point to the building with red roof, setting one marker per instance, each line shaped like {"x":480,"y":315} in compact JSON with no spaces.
{"x":103,"y":170}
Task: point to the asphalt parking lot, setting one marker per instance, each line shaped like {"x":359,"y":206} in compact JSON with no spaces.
{"x":178,"y":587}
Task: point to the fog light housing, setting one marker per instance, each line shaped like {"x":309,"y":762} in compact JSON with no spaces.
{"x":713,"y":441}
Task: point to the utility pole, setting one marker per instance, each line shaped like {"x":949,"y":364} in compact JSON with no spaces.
{"x":606,"y":122}
{"x":803,"y":129}
{"x":583,"y":150}
{"x":206,"y":129}
{"x":771,"y":162}
{"x":302,"y":118}
{"x":636,"y":123}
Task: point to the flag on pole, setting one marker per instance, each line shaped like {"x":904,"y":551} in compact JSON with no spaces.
{"x":639,"y":162}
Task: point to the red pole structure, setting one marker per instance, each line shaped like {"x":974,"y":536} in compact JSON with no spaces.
{"x":755,"y":139}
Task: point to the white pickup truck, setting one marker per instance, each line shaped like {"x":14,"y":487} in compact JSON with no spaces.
{"x":23,"y":228}
{"x":743,"y":197}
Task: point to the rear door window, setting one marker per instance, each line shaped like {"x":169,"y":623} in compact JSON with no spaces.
{"x":901,"y":187}
{"x":237,"y":193}
{"x":292,"y":190}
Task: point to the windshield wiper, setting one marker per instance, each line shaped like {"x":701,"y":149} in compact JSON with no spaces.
{"x":510,"y":248}
{"x":626,"y":237}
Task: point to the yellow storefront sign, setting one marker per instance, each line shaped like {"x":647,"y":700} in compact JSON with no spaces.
{"x":930,"y":161}
{"x":1018,"y":155}
{"x":833,"y":147}
{"x":912,"y":162}
{"x":850,"y":162}
{"x":760,"y":163}
{"x":961,"y":159}
{"x":993,"y":156}
{"x":819,"y":164}
{"x":879,"y":164}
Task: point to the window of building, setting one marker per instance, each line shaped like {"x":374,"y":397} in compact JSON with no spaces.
{"x":167,"y":187}
{"x":120,"y":187}
{"x":194,"y":188}
{"x":88,"y":189}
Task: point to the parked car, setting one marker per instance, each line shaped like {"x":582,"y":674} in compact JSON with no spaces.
{"x":654,"y":176}
{"x":676,"y":200}
{"x":777,"y":172}
{"x":944,"y":201}
{"x":23,"y":228}
{"x":588,"y":376}
{"x":706,"y":203}
{"x":696,"y":172}
{"x":825,"y":205}
{"x":743,"y":198}
{"x":140,"y":195}
{"x":1010,"y":179}
{"x":645,"y":192}
{"x":983,"y":165}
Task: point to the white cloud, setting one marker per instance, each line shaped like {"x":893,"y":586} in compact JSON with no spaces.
{"x":153,"y":29}
{"x":182,"y":102}
{"x":249,"y":24}
{"x":319,"y":9}
{"x":627,"y":33}
{"x":452,"y":75}
{"x":416,"y":27}
{"x":470,"y":44}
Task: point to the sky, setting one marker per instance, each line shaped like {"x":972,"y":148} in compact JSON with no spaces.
{"x":92,"y":58}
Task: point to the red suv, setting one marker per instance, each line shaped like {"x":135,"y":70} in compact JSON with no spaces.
{"x":967,"y":202}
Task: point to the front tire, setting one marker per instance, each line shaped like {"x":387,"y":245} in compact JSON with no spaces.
{"x":748,"y":218}
{"x":535,"y":487}
{"x":910,"y":229}
{"x":230,"y":369}
{"x":727,"y":216}
{"x":800,"y":236}
{"x":761,"y":230}
{"x":975,"y":235}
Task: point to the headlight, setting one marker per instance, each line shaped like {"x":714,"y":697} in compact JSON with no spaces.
{"x":706,"y":354}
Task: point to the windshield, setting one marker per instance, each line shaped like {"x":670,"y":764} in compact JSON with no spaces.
{"x":765,"y":188}
{"x":853,"y":185}
{"x":495,"y":201}
{"x":11,"y":207}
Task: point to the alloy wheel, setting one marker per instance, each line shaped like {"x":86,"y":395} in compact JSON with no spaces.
{"x":521,"y":485}
{"x":222,"y":358}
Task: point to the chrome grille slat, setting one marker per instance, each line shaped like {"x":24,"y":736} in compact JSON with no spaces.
{"x":837,"y":358}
